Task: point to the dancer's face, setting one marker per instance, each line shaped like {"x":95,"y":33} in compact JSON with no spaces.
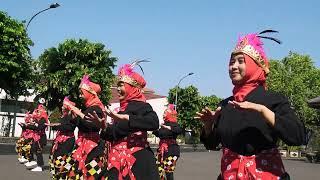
{"x":82,"y":95}
{"x":64,"y":109}
{"x":121,"y":91}
{"x":237,"y":68}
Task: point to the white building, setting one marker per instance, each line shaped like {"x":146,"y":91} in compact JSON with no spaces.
{"x":8,"y":106}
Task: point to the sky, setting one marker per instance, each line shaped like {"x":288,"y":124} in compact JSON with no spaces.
{"x":178,"y":36}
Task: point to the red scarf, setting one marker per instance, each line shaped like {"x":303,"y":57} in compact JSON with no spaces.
{"x":164,"y":145}
{"x":92,"y":100}
{"x":85,"y":142}
{"x":40,"y":113}
{"x":132,"y":94}
{"x":266,"y":165}
{"x":254,"y":77}
{"x":28,"y":133}
{"x":121,"y":153}
{"x":170,"y":114}
{"x":60,"y":138}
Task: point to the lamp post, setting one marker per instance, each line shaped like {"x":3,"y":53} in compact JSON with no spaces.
{"x":52,"y":6}
{"x":176,"y":101}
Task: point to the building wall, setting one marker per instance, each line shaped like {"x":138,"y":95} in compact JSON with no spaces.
{"x":19,"y":119}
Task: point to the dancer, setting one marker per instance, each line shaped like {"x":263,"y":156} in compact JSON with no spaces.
{"x":89,"y":157}
{"x":130,"y":156}
{"x":23,"y":145}
{"x":59,"y":159}
{"x":40,"y":118}
{"x":168,"y":151}
{"x":249,"y":123}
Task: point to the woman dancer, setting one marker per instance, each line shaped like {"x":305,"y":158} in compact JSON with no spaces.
{"x":38,"y":125}
{"x":168,"y":151}
{"x":130,"y":156}
{"x":89,"y":157}
{"x":63,"y":143}
{"x":249,"y":123}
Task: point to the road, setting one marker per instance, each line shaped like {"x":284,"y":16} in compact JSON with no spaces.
{"x":191,"y":166}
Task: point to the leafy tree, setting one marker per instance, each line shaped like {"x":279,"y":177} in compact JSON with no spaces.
{"x":297,"y":78}
{"x":209,"y":101}
{"x":188,"y":103}
{"x":55,"y":115}
{"x":15,"y":58}
{"x":187,"y":106}
{"x":61,"y":68}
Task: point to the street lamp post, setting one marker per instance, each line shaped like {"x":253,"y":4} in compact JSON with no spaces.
{"x":52,"y":6}
{"x":176,"y":100}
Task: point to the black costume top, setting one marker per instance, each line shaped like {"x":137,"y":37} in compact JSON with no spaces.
{"x":66,"y":124}
{"x":247,"y":132}
{"x":39,"y":129}
{"x":164,"y":133}
{"x":141,"y":118}
{"x":86,"y":126}
{"x":66,"y":127}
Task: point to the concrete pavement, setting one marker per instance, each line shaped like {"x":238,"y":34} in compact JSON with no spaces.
{"x":191,"y":166}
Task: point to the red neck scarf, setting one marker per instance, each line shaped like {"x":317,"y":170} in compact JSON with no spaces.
{"x":133,"y":94}
{"x":170,"y":114}
{"x":92,"y":100}
{"x":254,"y":77}
{"x":40,"y":113}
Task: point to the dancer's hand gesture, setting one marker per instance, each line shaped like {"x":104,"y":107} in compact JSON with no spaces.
{"x":94,"y":118}
{"x":208,"y":117}
{"x":115,"y":116}
{"x":166,"y":127}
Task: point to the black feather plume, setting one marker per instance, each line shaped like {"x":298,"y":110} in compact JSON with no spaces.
{"x":268,"y":31}
{"x":271,"y":38}
{"x":137,"y":63}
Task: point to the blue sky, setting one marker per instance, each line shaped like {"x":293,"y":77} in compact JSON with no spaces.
{"x":179,"y":36}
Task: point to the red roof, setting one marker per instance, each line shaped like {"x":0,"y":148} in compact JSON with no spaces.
{"x":148,"y":93}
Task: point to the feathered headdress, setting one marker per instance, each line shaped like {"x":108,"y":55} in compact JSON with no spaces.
{"x":252,"y":45}
{"x":127,"y":75}
{"x":91,"y":87}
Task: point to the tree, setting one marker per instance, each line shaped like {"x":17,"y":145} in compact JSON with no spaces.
{"x":59,"y":70}
{"x":189,"y":102}
{"x":187,"y":106}
{"x":15,"y":58}
{"x":297,"y":78}
{"x":209,"y":101}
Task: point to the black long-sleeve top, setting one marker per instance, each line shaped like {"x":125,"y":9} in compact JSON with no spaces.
{"x":141,"y":118}
{"x":66,"y":124}
{"x":40,"y":127}
{"x":86,"y":125}
{"x":247,"y":132}
{"x":164,"y":133}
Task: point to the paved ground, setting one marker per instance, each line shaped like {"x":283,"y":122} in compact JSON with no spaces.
{"x":191,"y":166}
